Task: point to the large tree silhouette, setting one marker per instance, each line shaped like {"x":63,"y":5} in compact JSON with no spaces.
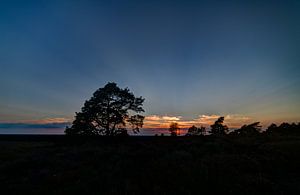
{"x":108,"y":112}
{"x":218,"y":128}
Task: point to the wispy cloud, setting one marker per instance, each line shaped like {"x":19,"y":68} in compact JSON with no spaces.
{"x":153,"y":118}
{"x":47,"y":121}
{"x":171,"y":118}
{"x":156,"y":121}
{"x":232,"y":120}
{"x":38,"y":123}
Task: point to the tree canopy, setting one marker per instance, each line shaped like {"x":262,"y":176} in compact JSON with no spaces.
{"x":249,"y":130}
{"x":174,"y":129}
{"x":218,"y":128}
{"x":284,"y":129}
{"x":195,"y":131}
{"x":108,"y":112}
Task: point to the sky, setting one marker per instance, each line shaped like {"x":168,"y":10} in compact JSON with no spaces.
{"x":192,"y":61}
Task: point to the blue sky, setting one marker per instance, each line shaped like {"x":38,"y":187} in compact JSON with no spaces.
{"x":189,"y":59}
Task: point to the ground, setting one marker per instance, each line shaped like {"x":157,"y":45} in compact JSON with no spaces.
{"x":150,"y":165}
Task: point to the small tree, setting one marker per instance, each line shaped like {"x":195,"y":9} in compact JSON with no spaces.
{"x":194,"y":131}
{"x":108,"y":112}
{"x":218,"y":128}
{"x":174,"y":129}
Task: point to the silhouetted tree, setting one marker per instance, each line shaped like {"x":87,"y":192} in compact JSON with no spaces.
{"x":284,"y":129}
{"x":174,"y":129}
{"x":271,"y":129}
{"x":249,"y":130}
{"x":108,"y":112}
{"x":218,"y":128}
{"x":194,"y":131}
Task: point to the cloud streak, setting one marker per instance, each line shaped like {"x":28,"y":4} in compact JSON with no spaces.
{"x":39,"y":123}
{"x":48,"y":121}
{"x":232,"y":120}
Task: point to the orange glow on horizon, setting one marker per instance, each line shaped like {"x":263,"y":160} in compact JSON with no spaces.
{"x":233,"y":121}
{"x":157,"y":122}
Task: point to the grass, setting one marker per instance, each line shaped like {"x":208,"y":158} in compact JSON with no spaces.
{"x":150,"y":165}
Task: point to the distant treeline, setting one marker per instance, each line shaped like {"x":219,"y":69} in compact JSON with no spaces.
{"x":219,"y":129}
{"x":111,"y":110}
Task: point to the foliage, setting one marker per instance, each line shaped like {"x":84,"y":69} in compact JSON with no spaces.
{"x":249,"y":130}
{"x":283,"y":129}
{"x":218,"y":128}
{"x":195,"y":131}
{"x":174,"y":129}
{"x":107,"y":113}
{"x":273,"y":127}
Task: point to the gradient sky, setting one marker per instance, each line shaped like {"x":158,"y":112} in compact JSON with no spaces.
{"x":192,"y":60}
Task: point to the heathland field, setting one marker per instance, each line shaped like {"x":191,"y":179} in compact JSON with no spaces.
{"x":261,"y":164}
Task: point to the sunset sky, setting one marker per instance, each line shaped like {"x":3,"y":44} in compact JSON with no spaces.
{"x":192,"y":61}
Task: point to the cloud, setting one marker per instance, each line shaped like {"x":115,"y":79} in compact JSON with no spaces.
{"x":55,"y":120}
{"x":206,"y":119}
{"x":163,"y":118}
{"x":231,"y":120}
{"x":32,"y":126}
{"x":39,"y":123}
{"x":171,"y":118}
{"x":153,"y":118}
{"x":47,"y":121}
{"x":155,"y":121}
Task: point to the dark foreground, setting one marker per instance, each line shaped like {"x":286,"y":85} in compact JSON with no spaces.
{"x":149,"y":165}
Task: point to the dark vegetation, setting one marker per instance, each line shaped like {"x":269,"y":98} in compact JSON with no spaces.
{"x":263,"y":164}
{"x":195,"y":131}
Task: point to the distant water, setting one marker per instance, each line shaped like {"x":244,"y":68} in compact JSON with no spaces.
{"x":44,"y":131}
{"x":59,"y":131}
